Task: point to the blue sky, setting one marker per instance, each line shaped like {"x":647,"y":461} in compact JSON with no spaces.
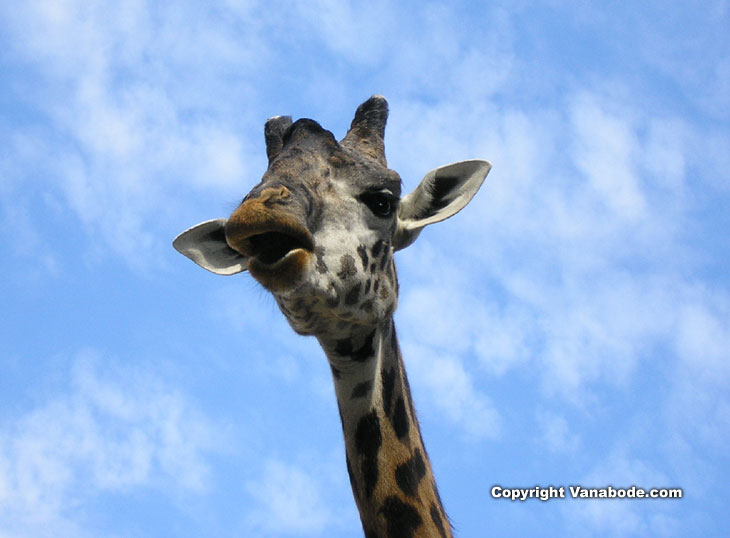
{"x":571,"y":326}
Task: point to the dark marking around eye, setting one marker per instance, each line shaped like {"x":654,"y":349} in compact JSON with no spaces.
{"x":382,"y":204}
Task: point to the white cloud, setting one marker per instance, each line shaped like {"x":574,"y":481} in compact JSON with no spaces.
{"x":703,"y":337}
{"x":289,"y":501}
{"x":698,"y":405}
{"x":113,"y":432}
{"x":604,"y":147}
{"x":664,"y":154}
{"x":447,"y":319}
{"x":622,"y":517}
{"x":122,"y":93}
{"x":587,"y":247}
{"x":555,"y":434}
{"x":444,"y":384}
{"x":604,"y":338}
{"x":358,"y":32}
{"x":576,"y":262}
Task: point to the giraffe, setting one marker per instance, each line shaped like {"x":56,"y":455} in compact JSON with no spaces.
{"x":319,"y":232}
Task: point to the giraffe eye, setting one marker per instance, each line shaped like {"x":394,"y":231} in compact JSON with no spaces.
{"x":381,"y":203}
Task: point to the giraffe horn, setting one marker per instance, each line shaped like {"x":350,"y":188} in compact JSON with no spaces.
{"x":274,"y":135}
{"x":367,"y":130}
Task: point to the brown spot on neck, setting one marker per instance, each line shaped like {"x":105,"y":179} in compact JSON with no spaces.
{"x":389,"y":470}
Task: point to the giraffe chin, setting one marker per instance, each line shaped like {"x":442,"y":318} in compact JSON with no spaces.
{"x":283,"y":275}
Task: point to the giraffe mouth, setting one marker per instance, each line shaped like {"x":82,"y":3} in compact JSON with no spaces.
{"x":279,"y":260}
{"x":277,"y":244}
{"x":278,"y":249}
{"x":265,"y":238}
{"x":269,"y":248}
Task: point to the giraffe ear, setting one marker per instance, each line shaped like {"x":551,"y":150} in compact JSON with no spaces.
{"x":206,"y":245}
{"x":441,"y":194}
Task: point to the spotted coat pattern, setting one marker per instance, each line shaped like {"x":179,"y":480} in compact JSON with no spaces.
{"x":389,"y":470}
{"x":347,"y":302}
{"x":319,"y":232}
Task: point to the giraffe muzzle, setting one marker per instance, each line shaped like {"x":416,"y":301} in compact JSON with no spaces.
{"x":278,"y":246}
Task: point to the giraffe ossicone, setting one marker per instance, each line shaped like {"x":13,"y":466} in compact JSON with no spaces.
{"x":319,"y":232}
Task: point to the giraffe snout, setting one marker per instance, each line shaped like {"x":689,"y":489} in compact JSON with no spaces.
{"x":274,"y":195}
{"x":269,"y":196}
{"x":270,"y":230}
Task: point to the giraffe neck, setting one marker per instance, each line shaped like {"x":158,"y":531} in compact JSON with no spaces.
{"x":389,"y":470}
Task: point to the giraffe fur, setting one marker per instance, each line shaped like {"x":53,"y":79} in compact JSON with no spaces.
{"x":320,"y":232}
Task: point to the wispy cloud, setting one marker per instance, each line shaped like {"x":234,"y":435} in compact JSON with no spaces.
{"x":556,"y":434}
{"x":698,"y":404}
{"x":445,"y":385}
{"x":577,"y":265}
{"x":288,"y":501}
{"x":359,"y":33}
{"x":112,"y":432}
{"x":620,"y":517}
{"x":586,"y":270}
{"x":129,"y":129}
{"x":603,"y":152}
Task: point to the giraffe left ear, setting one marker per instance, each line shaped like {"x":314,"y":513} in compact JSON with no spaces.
{"x":206,"y":245}
{"x":443,"y":192}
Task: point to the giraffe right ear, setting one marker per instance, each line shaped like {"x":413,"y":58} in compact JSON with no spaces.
{"x":443,"y":192}
{"x":206,"y":245}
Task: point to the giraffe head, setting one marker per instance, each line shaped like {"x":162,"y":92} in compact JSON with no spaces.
{"x":320,"y":229}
